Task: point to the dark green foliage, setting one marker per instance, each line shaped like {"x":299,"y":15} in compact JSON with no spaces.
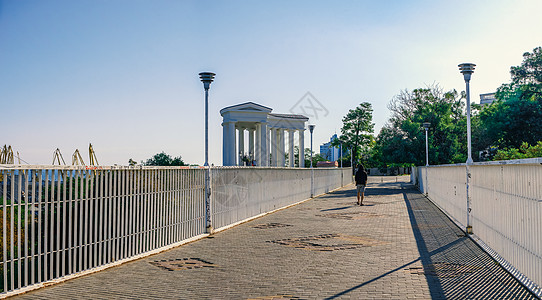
{"x":163,"y":159}
{"x":524,"y":151}
{"x":357,"y":131}
{"x":516,"y":116}
{"x":402,"y":140}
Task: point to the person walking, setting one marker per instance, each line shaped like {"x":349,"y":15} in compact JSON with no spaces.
{"x":361,"y":182}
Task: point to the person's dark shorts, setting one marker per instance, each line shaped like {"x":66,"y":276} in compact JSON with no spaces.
{"x":361,"y":188}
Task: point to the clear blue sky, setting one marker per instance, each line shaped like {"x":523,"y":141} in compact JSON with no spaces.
{"x":123,"y":75}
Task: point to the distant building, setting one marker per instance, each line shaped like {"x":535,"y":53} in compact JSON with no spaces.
{"x":487,"y":98}
{"x":329,"y":152}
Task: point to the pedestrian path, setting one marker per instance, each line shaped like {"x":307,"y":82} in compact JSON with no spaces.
{"x":397,"y":246}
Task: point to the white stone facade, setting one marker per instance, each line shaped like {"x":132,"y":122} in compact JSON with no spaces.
{"x":267,"y":136}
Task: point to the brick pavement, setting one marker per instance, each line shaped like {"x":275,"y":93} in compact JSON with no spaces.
{"x":397,"y":246}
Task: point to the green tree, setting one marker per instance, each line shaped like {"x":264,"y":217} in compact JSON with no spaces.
{"x":524,"y":151}
{"x":163,"y":159}
{"x":402,"y":140}
{"x":516,"y":116}
{"x":357,"y":130}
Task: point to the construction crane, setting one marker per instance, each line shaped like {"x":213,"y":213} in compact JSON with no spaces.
{"x":92,"y":155}
{"x":6,"y":155}
{"x":57,"y":156}
{"x":77,"y":160}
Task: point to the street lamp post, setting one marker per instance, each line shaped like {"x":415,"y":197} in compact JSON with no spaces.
{"x":207,"y":78}
{"x":311,"y":129}
{"x":426,"y":126}
{"x":352,"y":161}
{"x":467,"y":69}
{"x":341,"y":153}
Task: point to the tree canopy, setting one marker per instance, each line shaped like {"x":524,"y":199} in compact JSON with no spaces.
{"x":163,"y":159}
{"x":516,"y":116}
{"x":402,"y":139}
{"x":507,"y":127}
{"x":357,"y":130}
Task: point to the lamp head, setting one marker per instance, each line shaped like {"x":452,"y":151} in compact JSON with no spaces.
{"x":206,"y":78}
{"x":466,"y":69}
{"x":311,"y":128}
{"x":426,"y":125}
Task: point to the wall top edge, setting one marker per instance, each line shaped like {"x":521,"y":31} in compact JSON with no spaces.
{"x":525,"y":161}
{"x":55,"y":167}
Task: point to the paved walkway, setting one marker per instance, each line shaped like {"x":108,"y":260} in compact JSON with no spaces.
{"x":397,"y":246}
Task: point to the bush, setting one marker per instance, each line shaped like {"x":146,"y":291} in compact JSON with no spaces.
{"x":524,"y":151}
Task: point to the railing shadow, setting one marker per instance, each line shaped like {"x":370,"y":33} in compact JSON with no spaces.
{"x":461,"y":270}
{"x":452,"y":264}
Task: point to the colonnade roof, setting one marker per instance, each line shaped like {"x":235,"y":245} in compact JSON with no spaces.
{"x":247,"y":114}
{"x":247,"y":106}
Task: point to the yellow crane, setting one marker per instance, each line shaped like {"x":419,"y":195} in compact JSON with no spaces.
{"x":92,"y":154}
{"x":57,"y":156}
{"x":6,"y":155}
{"x":77,"y":160}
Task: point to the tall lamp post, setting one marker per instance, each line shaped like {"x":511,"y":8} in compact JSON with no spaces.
{"x":311,"y":129}
{"x":467,"y":69}
{"x":207,"y":78}
{"x":341,"y":153}
{"x":352,"y":161}
{"x":426,"y":126}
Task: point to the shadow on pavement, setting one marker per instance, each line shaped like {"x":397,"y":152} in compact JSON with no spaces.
{"x":452,"y":264}
{"x":338,"y":208}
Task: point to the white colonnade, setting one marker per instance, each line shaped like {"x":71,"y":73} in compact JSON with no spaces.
{"x":266,"y":143}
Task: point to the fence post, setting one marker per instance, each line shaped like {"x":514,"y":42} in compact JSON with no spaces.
{"x":425,"y":184}
{"x":312,"y":182}
{"x":469,"y":226}
{"x":208,"y":222}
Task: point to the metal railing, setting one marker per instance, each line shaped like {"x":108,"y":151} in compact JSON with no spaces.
{"x":506,"y":215}
{"x":59,"y":220}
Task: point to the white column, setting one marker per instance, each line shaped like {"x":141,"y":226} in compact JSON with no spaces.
{"x":228,"y":143}
{"x":258,"y":145}
{"x":251,"y":144}
{"x":264,"y":145}
{"x":233,"y":158}
{"x":275,"y":148}
{"x":301,"y":148}
{"x":282,"y":159}
{"x":291,"y":146}
{"x":267,"y":145}
{"x":225,"y":144}
{"x":241,"y":150}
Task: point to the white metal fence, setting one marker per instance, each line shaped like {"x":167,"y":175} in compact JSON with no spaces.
{"x":239,"y":193}
{"x":58,"y":221}
{"x":506,"y":215}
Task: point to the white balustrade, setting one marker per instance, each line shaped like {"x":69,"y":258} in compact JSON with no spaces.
{"x":64,"y":220}
{"x":506,"y":216}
